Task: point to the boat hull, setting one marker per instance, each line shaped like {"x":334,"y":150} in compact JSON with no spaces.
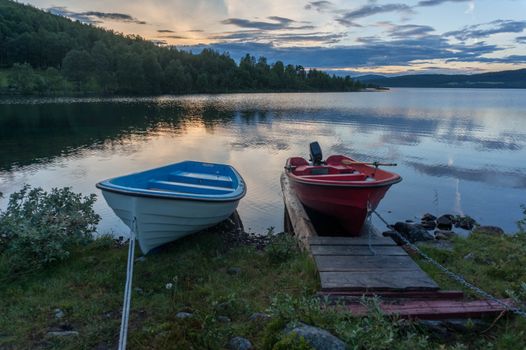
{"x":162,"y":220}
{"x":347,"y":205}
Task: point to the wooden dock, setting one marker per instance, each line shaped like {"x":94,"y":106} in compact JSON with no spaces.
{"x":364,"y":263}
{"x":372,"y":265}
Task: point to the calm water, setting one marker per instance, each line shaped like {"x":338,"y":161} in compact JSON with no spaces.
{"x":459,"y":151}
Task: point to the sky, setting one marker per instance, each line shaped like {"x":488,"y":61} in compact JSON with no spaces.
{"x":355,"y":37}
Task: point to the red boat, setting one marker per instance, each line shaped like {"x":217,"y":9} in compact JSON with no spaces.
{"x":339,"y":187}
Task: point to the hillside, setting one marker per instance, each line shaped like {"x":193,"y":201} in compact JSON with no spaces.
{"x":504,"y":79}
{"x":41,"y":53}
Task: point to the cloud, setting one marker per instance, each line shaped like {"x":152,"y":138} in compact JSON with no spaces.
{"x":407,"y":30}
{"x":261,"y":36}
{"x":369,"y":53}
{"x":195,"y":31}
{"x":165,"y":31}
{"x":483,"y":30}
{"x":173,"y":37}
{"x":277,"y":24}
{"x":438,"y":2}
{"x":93,"y":17}
{"x":319,"y":6}
{"x":521,"y":39}
{"x":371,"y":9}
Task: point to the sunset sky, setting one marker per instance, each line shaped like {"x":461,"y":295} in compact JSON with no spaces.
{"x":359,"y":37}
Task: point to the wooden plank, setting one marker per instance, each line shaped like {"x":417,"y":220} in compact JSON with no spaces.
{"x":353,"y":250}
{"x":437,"y":309}
{"x":369,"y":280}
{"x":362,"y":241}
{"x":299,"y":220}
{"x":365,"y":263}
{"x":343,"y":296}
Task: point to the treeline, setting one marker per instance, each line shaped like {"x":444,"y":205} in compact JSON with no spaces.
{"x":41,"y":53}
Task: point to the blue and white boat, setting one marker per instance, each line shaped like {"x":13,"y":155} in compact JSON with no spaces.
{"x":164,"y":204}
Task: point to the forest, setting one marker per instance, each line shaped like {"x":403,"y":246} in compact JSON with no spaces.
{"x":45,"y":54}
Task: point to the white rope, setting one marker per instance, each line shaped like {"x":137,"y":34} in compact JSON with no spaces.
{"x":127,"y":288}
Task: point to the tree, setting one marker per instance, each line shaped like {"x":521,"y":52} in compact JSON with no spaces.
{"x":77,"y":66}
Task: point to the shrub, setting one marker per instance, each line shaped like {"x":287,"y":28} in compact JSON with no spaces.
{"x":281,"y":248}
{"x":39,"y":228}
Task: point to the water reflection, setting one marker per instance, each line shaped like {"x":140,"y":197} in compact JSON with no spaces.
{"x":450,"y":144}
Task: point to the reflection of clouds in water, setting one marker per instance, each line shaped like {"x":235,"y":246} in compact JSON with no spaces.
{"x":458,"y":198}
{"x":515,"y":179}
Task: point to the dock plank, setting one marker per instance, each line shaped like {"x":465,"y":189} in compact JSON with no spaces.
{"x":358,"y":241}
{"x":415,"y":279}
{"x":364,"y":263}
{"x":353,"y":250}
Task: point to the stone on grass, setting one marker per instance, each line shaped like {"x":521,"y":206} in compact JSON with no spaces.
{"x":318,"y":338}
{"x":58,"y":313}
{"x":465,"y":222}
{"x":140,"y":259}
{"x":183,"y":315}
{"x":239,"y":343}
{"x":488,"y":230}
{"x":413,"y":232}
{"x":259,"y":317}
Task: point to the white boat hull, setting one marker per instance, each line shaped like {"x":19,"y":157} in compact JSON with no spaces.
{"x":162,"y":220}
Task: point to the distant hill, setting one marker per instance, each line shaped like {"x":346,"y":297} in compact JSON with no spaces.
{"x":45,"y":54}
{"x":369,"y":77}
{"x":505,"y":79}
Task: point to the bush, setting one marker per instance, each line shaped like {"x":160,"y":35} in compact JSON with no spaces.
{"x":39,"y":228}
{"x":281,"y":248}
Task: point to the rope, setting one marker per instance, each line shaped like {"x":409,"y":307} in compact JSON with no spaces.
{"x":127,"y":288}
{"x":370,"y":228}
{"x":458,"y":278}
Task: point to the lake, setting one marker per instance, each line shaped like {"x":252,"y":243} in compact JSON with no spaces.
{"x":459,"y":151}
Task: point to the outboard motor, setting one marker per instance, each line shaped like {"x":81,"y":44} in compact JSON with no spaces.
{"x":315,"y":153}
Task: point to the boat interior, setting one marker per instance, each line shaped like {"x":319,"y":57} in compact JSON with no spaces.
{"x":187,"y":177}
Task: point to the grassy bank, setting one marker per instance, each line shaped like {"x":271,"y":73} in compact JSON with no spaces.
{"x":199,"y":292}
{"x":213,"y":278}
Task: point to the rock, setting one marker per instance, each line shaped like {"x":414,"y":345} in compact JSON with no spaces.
{"x":465,"y":222}
{"x":394,"y":236}
{"x":58,"y":313}
{"x":445,"y":222}
{"x":239,"y":343}
{"x":429,"y":225}
{"x":488,"y":230}
{"x":413,"y":232}
{"x":469,"y":256}
{"x":140,"y":259}
{"x":182,"y":315}
{"x":409,"y":221}
{"x":233,"y":270}
{"x":62,"y":334}
{"x":223,"y":319}
{"x":428,"y":217}
{"x":444,"y":234}
{"x":259,"y":317}
{"x":318,"y":338}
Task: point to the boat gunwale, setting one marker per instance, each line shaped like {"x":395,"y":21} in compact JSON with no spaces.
{"x":168,"y":195}
{"x":356,"y":184}
{"x":107,"y":185}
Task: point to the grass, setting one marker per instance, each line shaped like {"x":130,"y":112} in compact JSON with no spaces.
{"x":279,"y":280}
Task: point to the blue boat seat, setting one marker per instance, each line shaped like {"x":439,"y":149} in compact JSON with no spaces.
{"x":187,"y":187}
{"x":201,"y":179}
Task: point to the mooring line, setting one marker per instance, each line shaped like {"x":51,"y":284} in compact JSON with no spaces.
{"x":127,"y":288}
{"x":456,"y":277}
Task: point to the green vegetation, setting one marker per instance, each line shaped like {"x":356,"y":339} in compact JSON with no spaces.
{"x":222,"y":281}
{"x":47,"y":54}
